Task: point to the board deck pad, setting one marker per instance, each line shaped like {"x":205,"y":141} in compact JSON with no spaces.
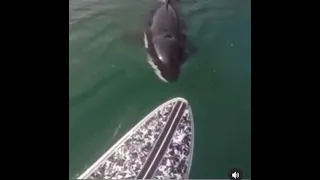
{"x":160,"y":146}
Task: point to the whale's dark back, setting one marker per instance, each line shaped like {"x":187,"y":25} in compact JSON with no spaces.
{"x":167,"y":47}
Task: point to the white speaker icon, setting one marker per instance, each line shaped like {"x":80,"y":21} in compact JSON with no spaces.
{"x":235,"y":175}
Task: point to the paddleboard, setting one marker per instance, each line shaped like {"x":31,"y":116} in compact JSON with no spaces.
{"x":160,"y":146}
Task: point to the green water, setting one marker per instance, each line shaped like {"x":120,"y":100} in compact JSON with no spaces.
{"x":112,"y":87}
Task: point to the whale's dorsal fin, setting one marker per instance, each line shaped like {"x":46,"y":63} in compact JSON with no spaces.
{"x":167,"y":4}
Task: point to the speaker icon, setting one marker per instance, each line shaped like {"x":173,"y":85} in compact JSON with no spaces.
{"x":235,"y":174}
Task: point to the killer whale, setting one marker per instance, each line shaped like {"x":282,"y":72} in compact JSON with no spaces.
{"x":165,"y":40}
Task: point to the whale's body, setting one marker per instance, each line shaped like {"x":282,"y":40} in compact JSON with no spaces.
{"x":165,"y":41}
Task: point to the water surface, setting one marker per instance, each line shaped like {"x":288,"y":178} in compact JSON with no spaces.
{"x":112,"y":86}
